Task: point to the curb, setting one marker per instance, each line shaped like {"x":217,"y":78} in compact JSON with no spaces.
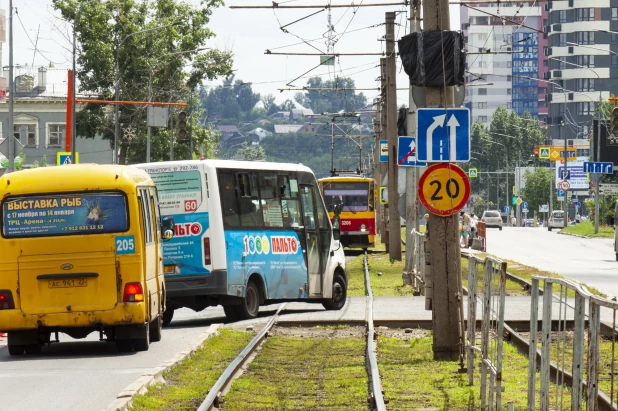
{"x":124,"y":400}
{"x":574,"y":235}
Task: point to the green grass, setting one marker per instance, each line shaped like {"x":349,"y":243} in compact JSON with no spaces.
{"x":512,"y":288}
{"x":413,"y":380}
{"x":189,"y":381}
{"x":388,"y":284}
{"x":292,"y":373}
{"x":586,"y":229}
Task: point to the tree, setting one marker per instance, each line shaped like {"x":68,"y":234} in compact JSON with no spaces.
{"x":234,"y":99}
{"x":268,"y":101}
{"x":536,"y":191}
{"x":175,"y":27}
{"x":250,"y":153}
{"x":331,"y":101}
{"x":288,"y":105}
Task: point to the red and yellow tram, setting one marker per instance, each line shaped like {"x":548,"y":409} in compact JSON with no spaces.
{"x":357,"y":195}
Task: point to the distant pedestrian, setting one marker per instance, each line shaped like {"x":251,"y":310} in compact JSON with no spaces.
{"x":464,"y":228}
{"x":513,"y":221}
{"x":473,"y":230}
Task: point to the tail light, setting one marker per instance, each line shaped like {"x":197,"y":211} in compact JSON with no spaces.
{"x":6,"y":300}
{"x":133,"y":293}
{"x":207,"y":259}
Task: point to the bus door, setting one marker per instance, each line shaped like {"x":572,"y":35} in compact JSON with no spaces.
{"x":316,"y":229}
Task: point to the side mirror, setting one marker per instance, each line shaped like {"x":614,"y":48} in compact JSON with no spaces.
{"x":336,"y":228}
{"x":167,"y":228}
{"x":338,"y":208}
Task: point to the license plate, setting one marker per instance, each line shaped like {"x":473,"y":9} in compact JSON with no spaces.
{"x":169,"y":269}
{"x":74,"y":282}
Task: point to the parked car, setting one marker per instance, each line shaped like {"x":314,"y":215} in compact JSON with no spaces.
{"x":556,"y":220}
{"x":492,"y":218}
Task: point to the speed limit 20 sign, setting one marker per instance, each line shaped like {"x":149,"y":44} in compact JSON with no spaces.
{"x":444,"y":189}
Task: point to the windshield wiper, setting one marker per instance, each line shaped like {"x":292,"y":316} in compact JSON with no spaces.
{"x":350,"y":208}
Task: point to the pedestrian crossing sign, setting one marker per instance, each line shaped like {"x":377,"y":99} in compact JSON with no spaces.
{"x":473,"y":173}
{"x":63,"y":158}
{"x":544,"y":152}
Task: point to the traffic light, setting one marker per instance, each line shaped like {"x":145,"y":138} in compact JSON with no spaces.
{"x":181,"y":126}
{"x":614,"y":123}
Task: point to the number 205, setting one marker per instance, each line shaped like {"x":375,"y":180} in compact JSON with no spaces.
{"x":125,"y":245}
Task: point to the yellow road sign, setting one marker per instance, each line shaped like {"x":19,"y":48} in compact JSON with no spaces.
{"x":519,"y":201}
{"x":444,"y":189}
{"x":557,"y":154}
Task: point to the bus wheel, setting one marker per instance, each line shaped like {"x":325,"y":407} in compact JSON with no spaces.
{"x":340,"y":292}
{"x":167,"y":316}
{"x":142,"y":344}
{"x":250,"y":305}
{"x":16,"y":349}
{"x":230,"y":312}
{"x":155,"y":329}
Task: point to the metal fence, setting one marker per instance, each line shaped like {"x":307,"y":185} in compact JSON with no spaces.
{"x":489,"y":288}
{"x":572,"y":365}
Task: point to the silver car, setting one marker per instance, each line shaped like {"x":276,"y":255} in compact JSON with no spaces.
{"x":556,"y":220}
{"x":492,"y":218}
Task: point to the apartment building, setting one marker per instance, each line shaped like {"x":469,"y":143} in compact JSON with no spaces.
{"x":583,"y":61}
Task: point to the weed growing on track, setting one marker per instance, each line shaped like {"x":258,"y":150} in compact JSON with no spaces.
{"x":303,"y":374}
{"x":412,"y":379}
{"x":388,"y":284}
{"x":189,"y":381}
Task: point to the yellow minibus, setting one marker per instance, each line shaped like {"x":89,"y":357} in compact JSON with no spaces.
{"x":81,"y":252}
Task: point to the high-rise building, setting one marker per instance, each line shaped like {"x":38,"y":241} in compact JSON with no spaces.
{"x":509,"y":78}
{"x":583,"y":62}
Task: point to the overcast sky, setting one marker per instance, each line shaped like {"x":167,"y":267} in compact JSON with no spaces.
{"x":248,"y":33}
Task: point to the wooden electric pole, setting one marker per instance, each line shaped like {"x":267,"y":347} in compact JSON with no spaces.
{"x":384,"y":166}
{"x":444,"y":237}
{"x":394,"y":223}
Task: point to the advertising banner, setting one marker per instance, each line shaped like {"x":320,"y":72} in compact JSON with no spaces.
{"x":64,"y":215}
{"x":576,"y":175}
{"x":185,"y":250}
{"x":180,"y":188}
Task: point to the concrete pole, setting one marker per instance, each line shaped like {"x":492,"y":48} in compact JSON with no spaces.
{"x":11,"y":133}
{"x":563,"y":177}
{"x":444,"y":240}
{"x":412,"y":218}
{"x":551,"y":187}
{"x":384,"y":166}
{"x":148,"y":109}
{"x":376,"y":162}
{"x":391,"y":118}
{"x":598,"y":176}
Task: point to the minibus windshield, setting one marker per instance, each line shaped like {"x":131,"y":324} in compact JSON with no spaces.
{"x":64,"y":214}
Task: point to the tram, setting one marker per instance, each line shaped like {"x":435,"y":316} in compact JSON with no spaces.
{"x":357,"y":195}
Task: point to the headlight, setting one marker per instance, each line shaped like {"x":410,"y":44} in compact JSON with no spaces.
{"x":362,"y":227}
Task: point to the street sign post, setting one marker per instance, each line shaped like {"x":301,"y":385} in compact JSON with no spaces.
{"x":598,"y":167}
{"x":507,"y":209}
{"x":564,"y":185}
{"x":544,"y":208}
{"x":444,"y":189}
{"x":407,"y":153}
{"x":473,"y":173}
{"x":383,"y":151}
{"x":63,"y":158}
{"x":443,"y":135}
{"x":518,"y":201}
{"x":544,"y":153}
{"x":557,"y":154}
{"x":383,"y":195}
{"x":524,"y":204}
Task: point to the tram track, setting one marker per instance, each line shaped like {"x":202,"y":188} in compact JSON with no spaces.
{"x":216,"y":395}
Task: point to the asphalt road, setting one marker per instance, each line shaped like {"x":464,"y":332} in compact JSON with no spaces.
{"x":88,"y":374}
{"x":589,"y":260}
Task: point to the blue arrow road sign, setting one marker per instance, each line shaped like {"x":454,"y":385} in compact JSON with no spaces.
{"x":507,"y":209}
{"x":443,"y":135}
{"x":407,"y":153}
{"x":597,"y":167}
{"x":565,"y":174}
{"x":383,"y":151}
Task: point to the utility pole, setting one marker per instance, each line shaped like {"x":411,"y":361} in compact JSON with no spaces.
{"x":392,"y":137}
{"x":444,"y":239}
{"x":377,"y":125}
{"x":384,"y":167}
{"x":411,"y":172}
{"x":598,"y":179}
{"x":11,"y":133}
{"x":565,"y":172}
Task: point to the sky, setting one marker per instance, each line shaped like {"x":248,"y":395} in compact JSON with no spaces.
{"x":247,"y":33}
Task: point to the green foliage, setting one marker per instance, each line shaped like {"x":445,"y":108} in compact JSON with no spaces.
{"x":43,"y":161}
{"x":250,"y":153}
{"x":331,"y":101}
{"x":231,"y":100}
{"x":35,"y":164}
{"x":536,"y":191}
{"x":177,"y":29}
{"x":480,"y":205}
{"x":268,"y":101}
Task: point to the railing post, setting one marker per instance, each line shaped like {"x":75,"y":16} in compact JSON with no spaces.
{"x":534,"y":330}
{"x":578,"y":352}
{"x":472,"y":283}
{"x":500,"y":336}
{"x":485,"y":333}
{"x":592,"y":391}
{"x":546,"y":346}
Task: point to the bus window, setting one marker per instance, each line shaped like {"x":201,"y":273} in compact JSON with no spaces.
{"x":229,"y":202}
{"x":250,"y":214}
{"x":271,"y":204}
{"x":289,"y":202}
